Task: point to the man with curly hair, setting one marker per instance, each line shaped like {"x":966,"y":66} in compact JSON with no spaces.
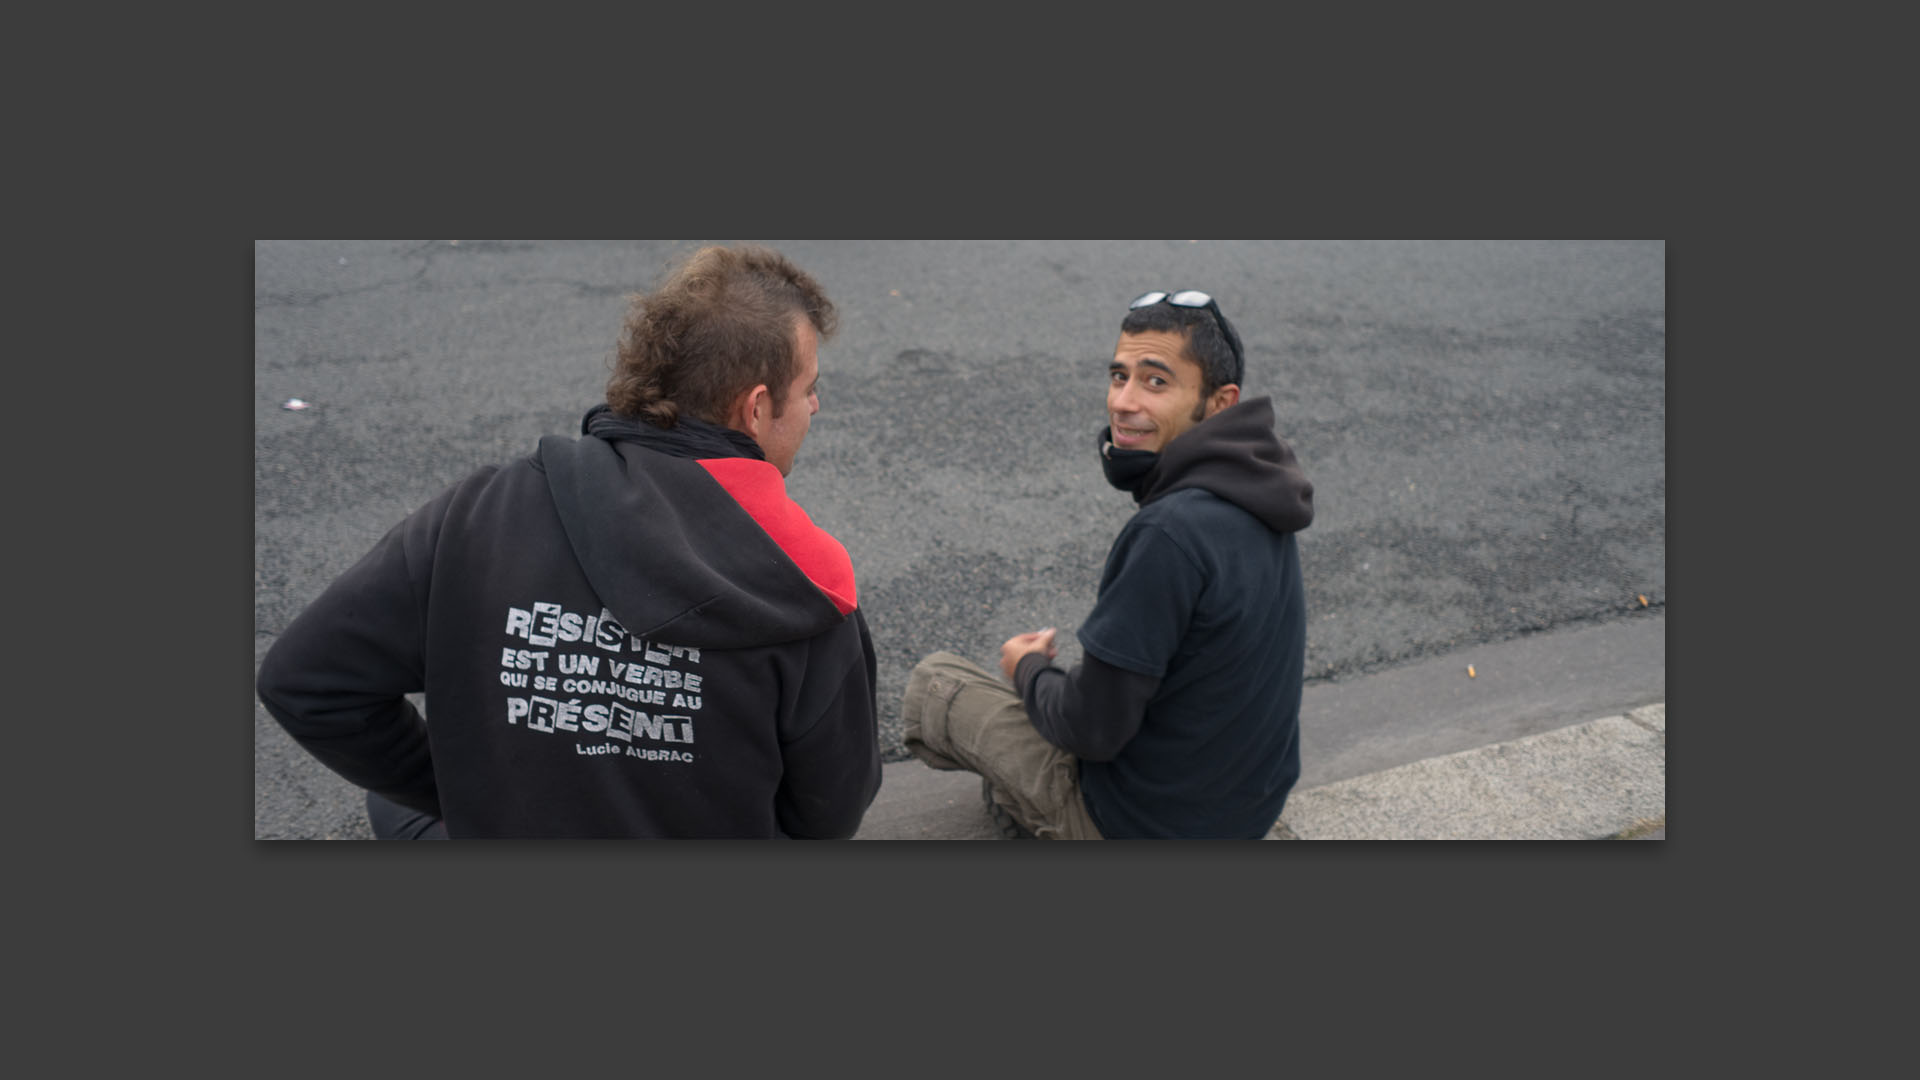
{"x":634,"y":633}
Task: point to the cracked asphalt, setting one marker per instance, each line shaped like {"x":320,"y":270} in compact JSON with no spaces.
{"x":1484,"y":423}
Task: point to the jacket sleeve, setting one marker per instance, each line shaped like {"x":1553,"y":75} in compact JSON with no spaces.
{"x":831,"y":757}
{"x":1147,"y":594}
{"x":1091,"y":712}
{"x":337,"y":677}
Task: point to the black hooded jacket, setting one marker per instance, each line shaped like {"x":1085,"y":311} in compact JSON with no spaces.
{"x":1185,"y":712}
{"x":631,"y":634}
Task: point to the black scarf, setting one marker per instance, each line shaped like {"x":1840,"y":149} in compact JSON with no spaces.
{"x":1125,"y":469}
{"x":691,"y":437}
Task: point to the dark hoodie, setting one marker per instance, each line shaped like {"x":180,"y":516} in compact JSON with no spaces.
{"x":1185,"y":713}
{"x":632,"y":634}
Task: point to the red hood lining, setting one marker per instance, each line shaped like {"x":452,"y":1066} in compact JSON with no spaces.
{"x":762,"y":492}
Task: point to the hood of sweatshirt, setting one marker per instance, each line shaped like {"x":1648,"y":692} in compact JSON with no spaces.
{"x":688,"y":536}
{"x":1234,"y":454}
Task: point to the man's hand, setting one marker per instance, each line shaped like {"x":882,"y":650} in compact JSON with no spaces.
{"x":1020,"y":645}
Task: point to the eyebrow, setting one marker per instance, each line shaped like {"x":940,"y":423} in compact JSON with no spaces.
{"x":1145,"y":361}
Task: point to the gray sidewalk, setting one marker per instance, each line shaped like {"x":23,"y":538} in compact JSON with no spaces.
{"x":1602,"y":779}
{"x":1593,"y":781}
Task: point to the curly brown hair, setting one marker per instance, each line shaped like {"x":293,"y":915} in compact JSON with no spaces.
{"x":721,"y":323}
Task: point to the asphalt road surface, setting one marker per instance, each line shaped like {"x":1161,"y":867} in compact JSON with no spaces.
{"x":1484,"y":423}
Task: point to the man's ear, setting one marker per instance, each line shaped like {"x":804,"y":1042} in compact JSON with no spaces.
{"x":1224,"y":397}
{"x":751,"y":410}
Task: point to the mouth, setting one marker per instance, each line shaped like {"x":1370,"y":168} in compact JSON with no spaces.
{"x":1127,"y":437}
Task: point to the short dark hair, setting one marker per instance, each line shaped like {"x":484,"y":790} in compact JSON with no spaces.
{"x":721,"y":323}
{"x":1206,"y":345}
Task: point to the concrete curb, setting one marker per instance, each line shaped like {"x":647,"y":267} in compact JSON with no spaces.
{"x":1592,"y":781}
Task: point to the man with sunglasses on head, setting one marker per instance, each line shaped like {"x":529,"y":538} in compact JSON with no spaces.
{"x":1183,"y":717}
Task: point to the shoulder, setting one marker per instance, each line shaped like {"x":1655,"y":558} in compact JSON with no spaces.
{"x":1192,"y":516}
{"x":1196,"y":527}
{"x":489,"y":483}
{"x":1179,"y":505}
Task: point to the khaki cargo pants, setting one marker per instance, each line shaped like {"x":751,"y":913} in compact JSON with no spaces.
{"x":957,"y":715}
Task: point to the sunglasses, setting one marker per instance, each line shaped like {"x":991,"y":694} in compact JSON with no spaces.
{"x":1192,"y":298}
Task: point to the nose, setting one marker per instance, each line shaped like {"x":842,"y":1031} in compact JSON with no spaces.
{"x":1120,"y":398}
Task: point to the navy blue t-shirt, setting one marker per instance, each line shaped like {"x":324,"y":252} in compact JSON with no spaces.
{"x":1199,"y":594}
